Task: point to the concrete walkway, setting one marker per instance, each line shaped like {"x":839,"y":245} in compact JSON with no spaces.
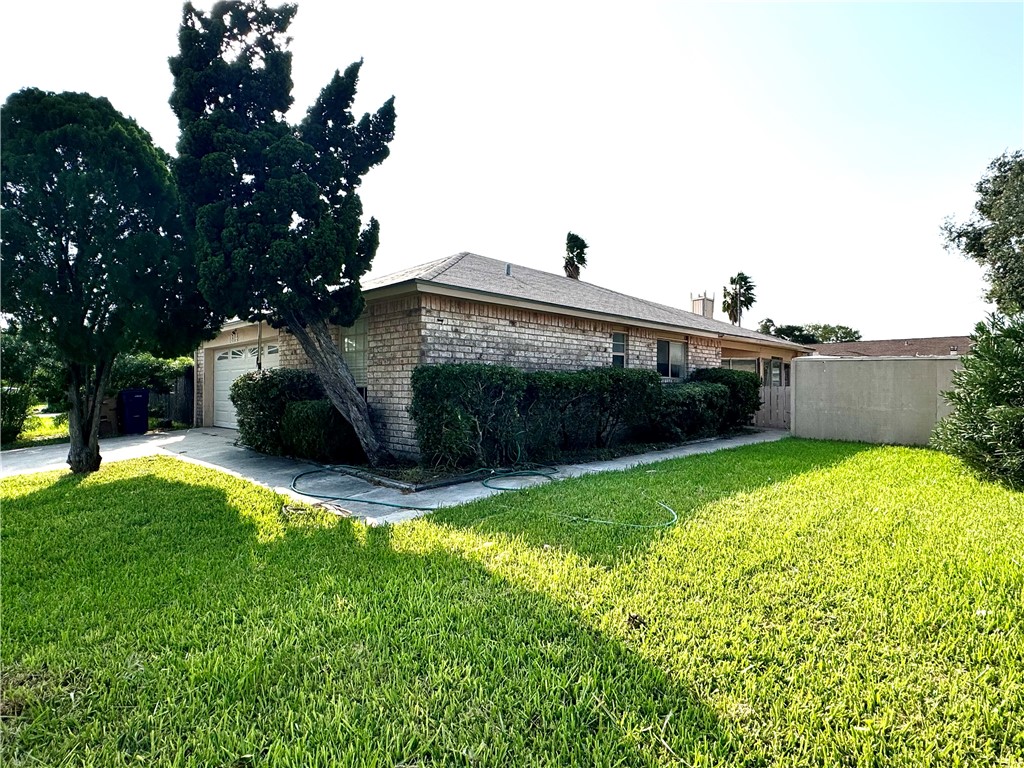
{"x":215,"y":448}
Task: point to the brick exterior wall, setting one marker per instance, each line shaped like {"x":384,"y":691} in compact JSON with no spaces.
{"x":704,"y":353}
{"x":461,"y":331}
{"x":393,"y":347}
{"x":405,"y":331}
{"x":199,"y":360}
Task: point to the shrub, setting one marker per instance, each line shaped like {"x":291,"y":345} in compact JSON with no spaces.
{"x":260,"y":399}
{"x":18,"y":364}
{"x":144,"y":371}
{"x":313,"y":429}
{"x":558,"y":414}
{"x":626,"y":398}
{"x":691,"y":409}
{"x":986,"y":427}
{"x":15,"y":404}
{"x":468,"y":414}
{"x":744,"y":394}
{"x":496,"y":415}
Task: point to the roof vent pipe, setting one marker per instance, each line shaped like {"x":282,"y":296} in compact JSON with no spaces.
{"x":508,"y":270}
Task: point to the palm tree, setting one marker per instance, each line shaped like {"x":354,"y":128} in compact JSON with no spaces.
{"x":738,"y":298}
{"x":575,"y":255}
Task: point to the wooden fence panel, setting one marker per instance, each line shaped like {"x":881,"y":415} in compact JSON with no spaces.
{"x":774,"y":411}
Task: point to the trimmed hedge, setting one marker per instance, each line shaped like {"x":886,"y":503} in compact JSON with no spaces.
{"x":468,"y":414}
{"x":313,"y":429}
{"x":260,"y":399}
{"x":692,"y":409}
{"x":585,"y":409}
{"x":494,"y":415}
{"x":744,"y":394}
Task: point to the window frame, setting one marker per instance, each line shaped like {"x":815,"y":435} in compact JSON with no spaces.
{"x":356,"y":339}
{"x":683,"y":364}
{"x":620,"y":356}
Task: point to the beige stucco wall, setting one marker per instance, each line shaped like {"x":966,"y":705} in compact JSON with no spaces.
{"x":871,"y":399}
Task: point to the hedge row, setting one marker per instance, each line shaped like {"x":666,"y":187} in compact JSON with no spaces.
{"x":283,"y":412}
{"x":492,"y":415}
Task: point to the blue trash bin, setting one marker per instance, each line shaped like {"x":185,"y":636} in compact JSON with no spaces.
{"x":133,"y":410}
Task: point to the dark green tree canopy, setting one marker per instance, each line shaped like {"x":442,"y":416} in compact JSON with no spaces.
{"x":831,"y":334}
{"x":986,"y":427}
{"x":93,"y":263}
{"x":811,"y":333}
{"x":274,"y":205}
{"x":798,"y":334}
{"x":93,"y":259}
{"x":994,"y":236}
{"x":575,"y":255}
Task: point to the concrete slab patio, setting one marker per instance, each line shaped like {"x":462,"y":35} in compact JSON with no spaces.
{"x":216,"y":448}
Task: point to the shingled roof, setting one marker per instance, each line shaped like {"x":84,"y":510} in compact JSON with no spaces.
{"x":925,"y":347}
{"x":479,"y":274}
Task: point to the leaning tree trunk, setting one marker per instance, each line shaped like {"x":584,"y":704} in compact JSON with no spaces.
{"x":85,"y":394}
{"x":339,"y":386}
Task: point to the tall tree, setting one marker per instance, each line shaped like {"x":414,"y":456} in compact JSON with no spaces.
{"x":994,"y":236}
{"x":575,"y":255}
{"x":93,"y":262}
{"x":811,"y":333}
{"x":798,"y":334}
{"x":278,"y":220}
{"x":737,"y":297}
{"x":832,"y":334}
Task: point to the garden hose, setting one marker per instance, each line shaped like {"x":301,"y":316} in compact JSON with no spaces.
{"x":546,"y":472}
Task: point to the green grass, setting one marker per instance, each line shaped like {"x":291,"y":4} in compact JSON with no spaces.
{"x":817,"y":604}
{"x":40,"y":430}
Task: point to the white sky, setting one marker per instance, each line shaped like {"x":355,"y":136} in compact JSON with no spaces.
{"x":816,"y":147}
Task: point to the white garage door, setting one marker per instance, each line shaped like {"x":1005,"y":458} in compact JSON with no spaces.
{"x":228,"y":365}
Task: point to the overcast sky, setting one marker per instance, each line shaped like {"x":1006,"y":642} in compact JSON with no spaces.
{"x":816,"y":147}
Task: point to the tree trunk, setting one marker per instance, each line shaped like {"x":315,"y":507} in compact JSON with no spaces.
{"x":339,"y":386}
{"x":85,"y":394}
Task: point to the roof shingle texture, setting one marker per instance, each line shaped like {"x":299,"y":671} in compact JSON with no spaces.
{"x":927,"y":347}
{"x":481,"y":274}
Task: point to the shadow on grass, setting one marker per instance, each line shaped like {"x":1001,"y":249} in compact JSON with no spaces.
{"x":198,"y":626}
{"x":554,"y":515}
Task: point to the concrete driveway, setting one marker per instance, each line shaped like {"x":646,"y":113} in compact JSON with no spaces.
{"x":215,"y":448}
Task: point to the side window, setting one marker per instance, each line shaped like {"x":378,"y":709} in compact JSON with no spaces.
{"x":672,"y":359}
{"x":353,"y":349}
{"x":620,"y":342}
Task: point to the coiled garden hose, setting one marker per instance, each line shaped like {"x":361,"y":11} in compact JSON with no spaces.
{"x":546,"y":472}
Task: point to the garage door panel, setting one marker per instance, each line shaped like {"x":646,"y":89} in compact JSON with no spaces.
{"x":228,"y":365}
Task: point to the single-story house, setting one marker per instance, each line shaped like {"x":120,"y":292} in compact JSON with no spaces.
{"x":927,"y":347}
{"x":469,"y":308}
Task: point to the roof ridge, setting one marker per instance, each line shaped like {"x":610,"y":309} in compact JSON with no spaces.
{"x":444,"y":266}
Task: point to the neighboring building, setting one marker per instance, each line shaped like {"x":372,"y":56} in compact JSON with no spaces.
{"x":469,"y":308}
{"x":929,"y":347}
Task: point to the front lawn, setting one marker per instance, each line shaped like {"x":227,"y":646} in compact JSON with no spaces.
{"x":41,"y":429}
{"x":816,"y":604}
